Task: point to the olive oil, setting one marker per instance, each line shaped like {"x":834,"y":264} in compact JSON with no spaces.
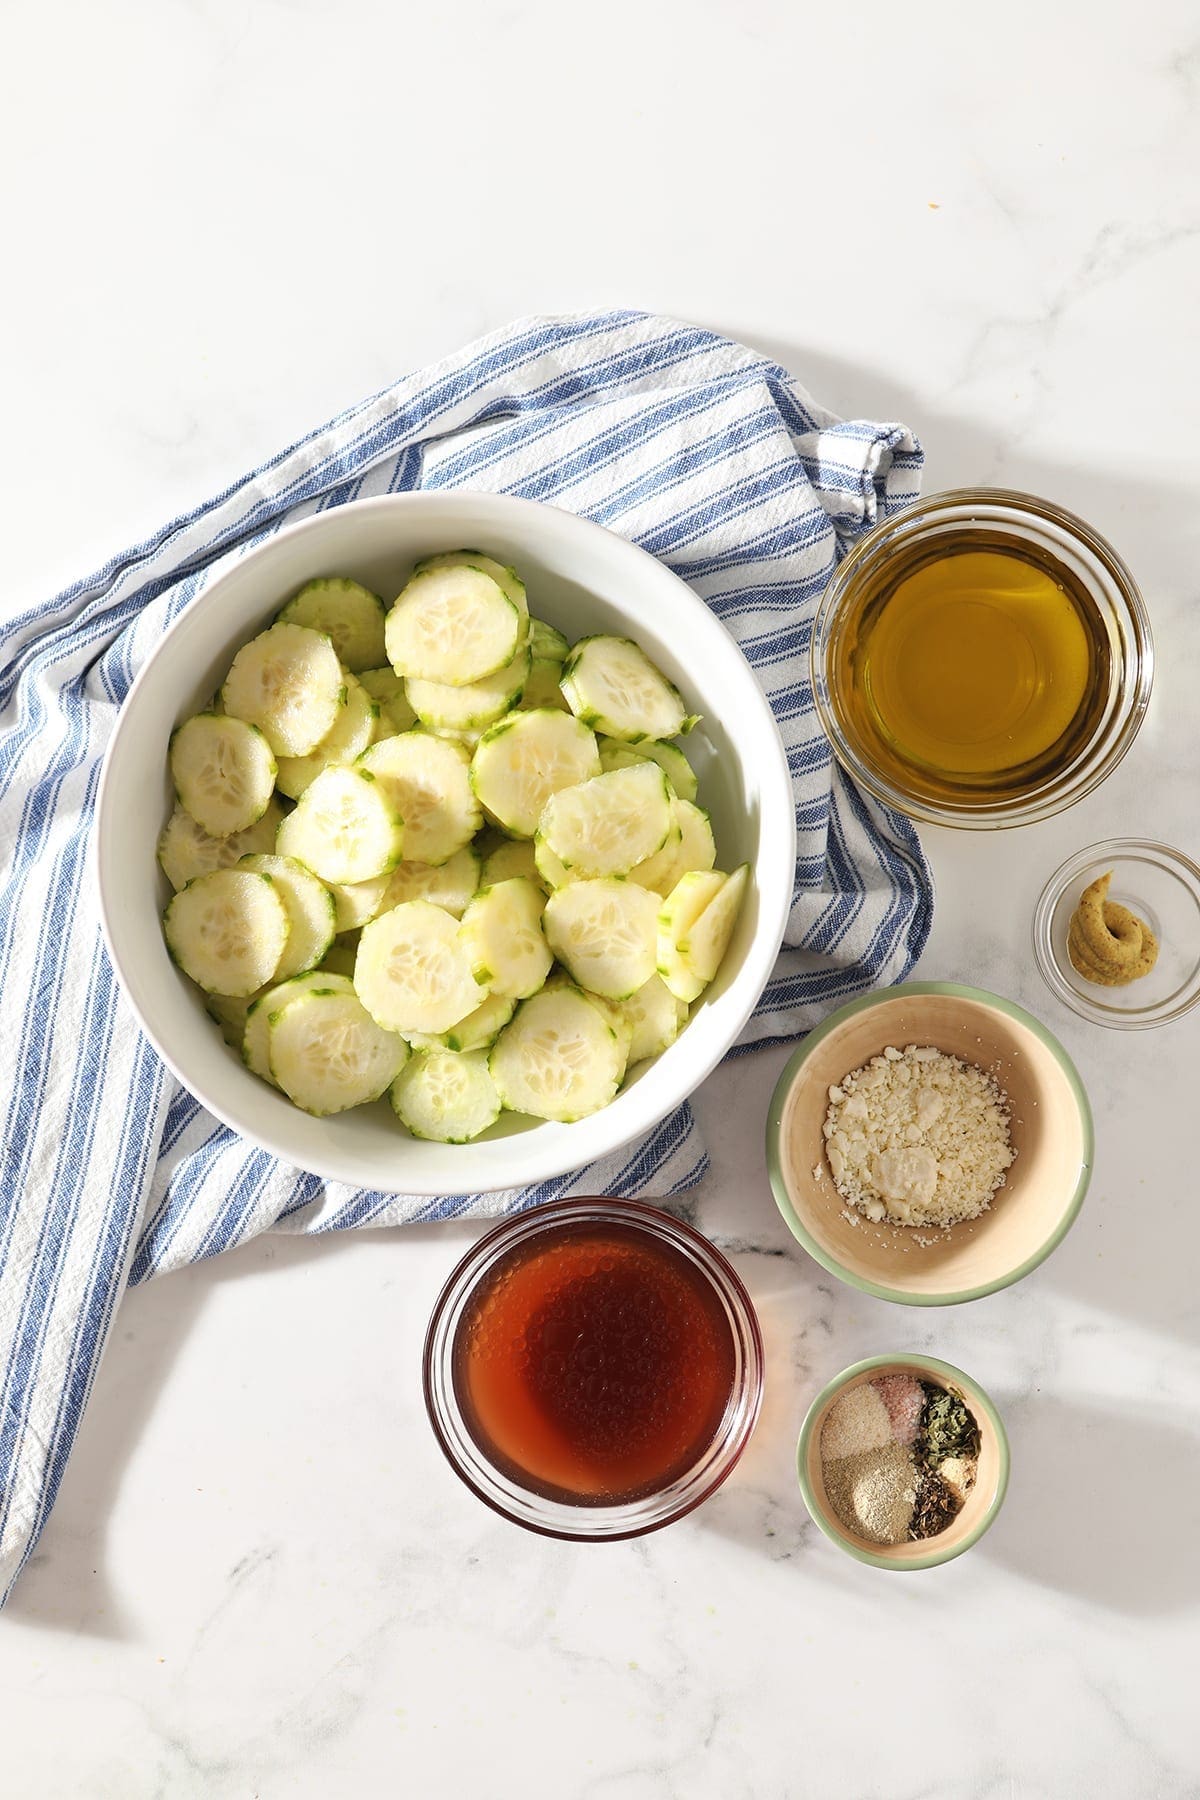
{"x":972,"y":666}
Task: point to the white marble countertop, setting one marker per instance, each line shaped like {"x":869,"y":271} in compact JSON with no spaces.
{"x":228,"y":221}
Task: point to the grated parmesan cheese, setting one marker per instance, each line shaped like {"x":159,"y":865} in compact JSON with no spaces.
{"x":917,"y":1137}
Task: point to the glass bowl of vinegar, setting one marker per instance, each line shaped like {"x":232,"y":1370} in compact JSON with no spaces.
{"x":982,"y":659}
{"x":593,"y":1369}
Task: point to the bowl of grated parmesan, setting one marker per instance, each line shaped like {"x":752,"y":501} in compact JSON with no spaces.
{"x":930,"y":1143}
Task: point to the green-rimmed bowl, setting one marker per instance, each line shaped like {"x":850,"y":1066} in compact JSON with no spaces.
{"x":981,"y":1504}
{"x":1050,"y":1126}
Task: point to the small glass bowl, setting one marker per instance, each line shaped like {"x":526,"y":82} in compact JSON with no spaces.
{"x":562,"y":1519}
{"x":1160,"y":885}
{"x":1068,"y":540}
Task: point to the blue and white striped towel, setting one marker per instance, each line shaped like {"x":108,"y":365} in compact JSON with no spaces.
{"x":706,"y":454}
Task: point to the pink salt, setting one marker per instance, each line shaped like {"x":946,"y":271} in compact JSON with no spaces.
{"x":904,"y":1398}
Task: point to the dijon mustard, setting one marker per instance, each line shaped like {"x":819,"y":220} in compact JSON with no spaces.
{"x":1106,"y":942}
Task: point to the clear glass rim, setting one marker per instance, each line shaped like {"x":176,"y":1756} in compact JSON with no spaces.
{"x":555,"y":1519}
{"x":1113,"y":736}
{"x":1112,"y":1017}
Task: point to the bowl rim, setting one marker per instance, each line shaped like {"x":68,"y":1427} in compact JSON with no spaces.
{"x":1040,"y":806}
{"x":547,"y":1165}
{"x":1154,"y":850}
{"x":947,"y":1372}
{"x":438,"y":1348}
{"x":783,"y":1200}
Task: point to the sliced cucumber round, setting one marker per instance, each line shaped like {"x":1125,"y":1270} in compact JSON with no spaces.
{"x":546,"y":643}
{"x":473,"y":707}
{"x":611,"y":684}
{"x":506,"y":579}
{"x":354,"y":731}
{"x":542,"y":687}
{"x":411,"y":972}
{"x":328,"y":1054}
{"x":428,"y":781}
{"x":604,"y":933}
{"x":339,"y":958}
{"x":689,"y":846}
{"x":513,"y":857}
{"x":525,"y":759}
{"x":502,"y":937}
{"x":694,"y":928}
{"x":655,"y":1017}
{"x":558,"y":1059}
{"x":355,"y":903}
{"x":350,"y":615}
{"x":607,"y":825}
{"x":229,"y":1012}
{"x":387,"y":690}
{"x":256,"y":1034}
{"x":453,"y":625}
{"x":228,"y":931}
{"x":224,"y":772}
{"x":449,"y":885}
{"x":551,"y":868}
{"x":671,"y":760}
{"x":346,"y":827}
{"x":287,"y":681}
{"x":312,"y":917}
{"x":186,"y":850}
{"x":446,"y":1095}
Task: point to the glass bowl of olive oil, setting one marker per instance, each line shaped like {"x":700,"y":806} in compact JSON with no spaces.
{"x":982,"y":659}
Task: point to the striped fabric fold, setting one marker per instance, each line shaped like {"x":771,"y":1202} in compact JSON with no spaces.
{"x":709,"y":456}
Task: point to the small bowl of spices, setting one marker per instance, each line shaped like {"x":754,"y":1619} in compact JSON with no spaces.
{"x":929,"y":1143}
{"x":1116,"y":933}
{"x":903,"y":1461}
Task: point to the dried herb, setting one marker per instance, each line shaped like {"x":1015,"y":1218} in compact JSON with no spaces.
{"x":947,"y":1428}
{"x":936,"y":1506}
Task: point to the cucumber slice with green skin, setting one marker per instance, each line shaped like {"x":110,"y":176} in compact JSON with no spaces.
{"x":453,"y":625}
{"x":690,"y":846}
{"x":310,"y":910}
{"x":656,"y":1018}
{"x":428,"y":781}
{"x":526,"y":759}
{"x":346,"y":827}
{"x":185,"y":849}
{"x":502,"y":937}
{"x":411,"y":972}
{"x":287,"y":681}
{"x":542,"y":687}
{"x":229,"y":1013}
{"x":447,"y":1096}
{"x":478,"y":1031}
{"x":512,"y":858}
{"x":224,"y":772}
{"x":356,"y":903}
{"x":547,"y":644}
{"x":506,"y":579}
{"x":470,"y":708}
{"x":339,"y":958}
{"x":611,"y":684}
{"x":354,"y":732}
{"x":550,"y":867}
{"x":328,"y":1054}
{"x":387,"y":690}
{"x":558,"y":1059}
{"x":256,"y":1034}
{"x":350,"y":615}
{"x":228,"y":931}
{"x":607,"y":825}
{"x":449,"y":885}
{"x":694,"y":928}
{"x":605,"y":934}
{"x":673,"y":763}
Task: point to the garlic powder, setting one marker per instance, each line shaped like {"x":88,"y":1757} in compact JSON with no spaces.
{"x":917,"y":1137}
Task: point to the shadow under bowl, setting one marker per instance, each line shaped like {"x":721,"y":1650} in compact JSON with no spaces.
{"x":1050,"y":1127}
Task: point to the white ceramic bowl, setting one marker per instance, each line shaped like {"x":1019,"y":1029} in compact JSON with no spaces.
{"x":582,"y":579}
